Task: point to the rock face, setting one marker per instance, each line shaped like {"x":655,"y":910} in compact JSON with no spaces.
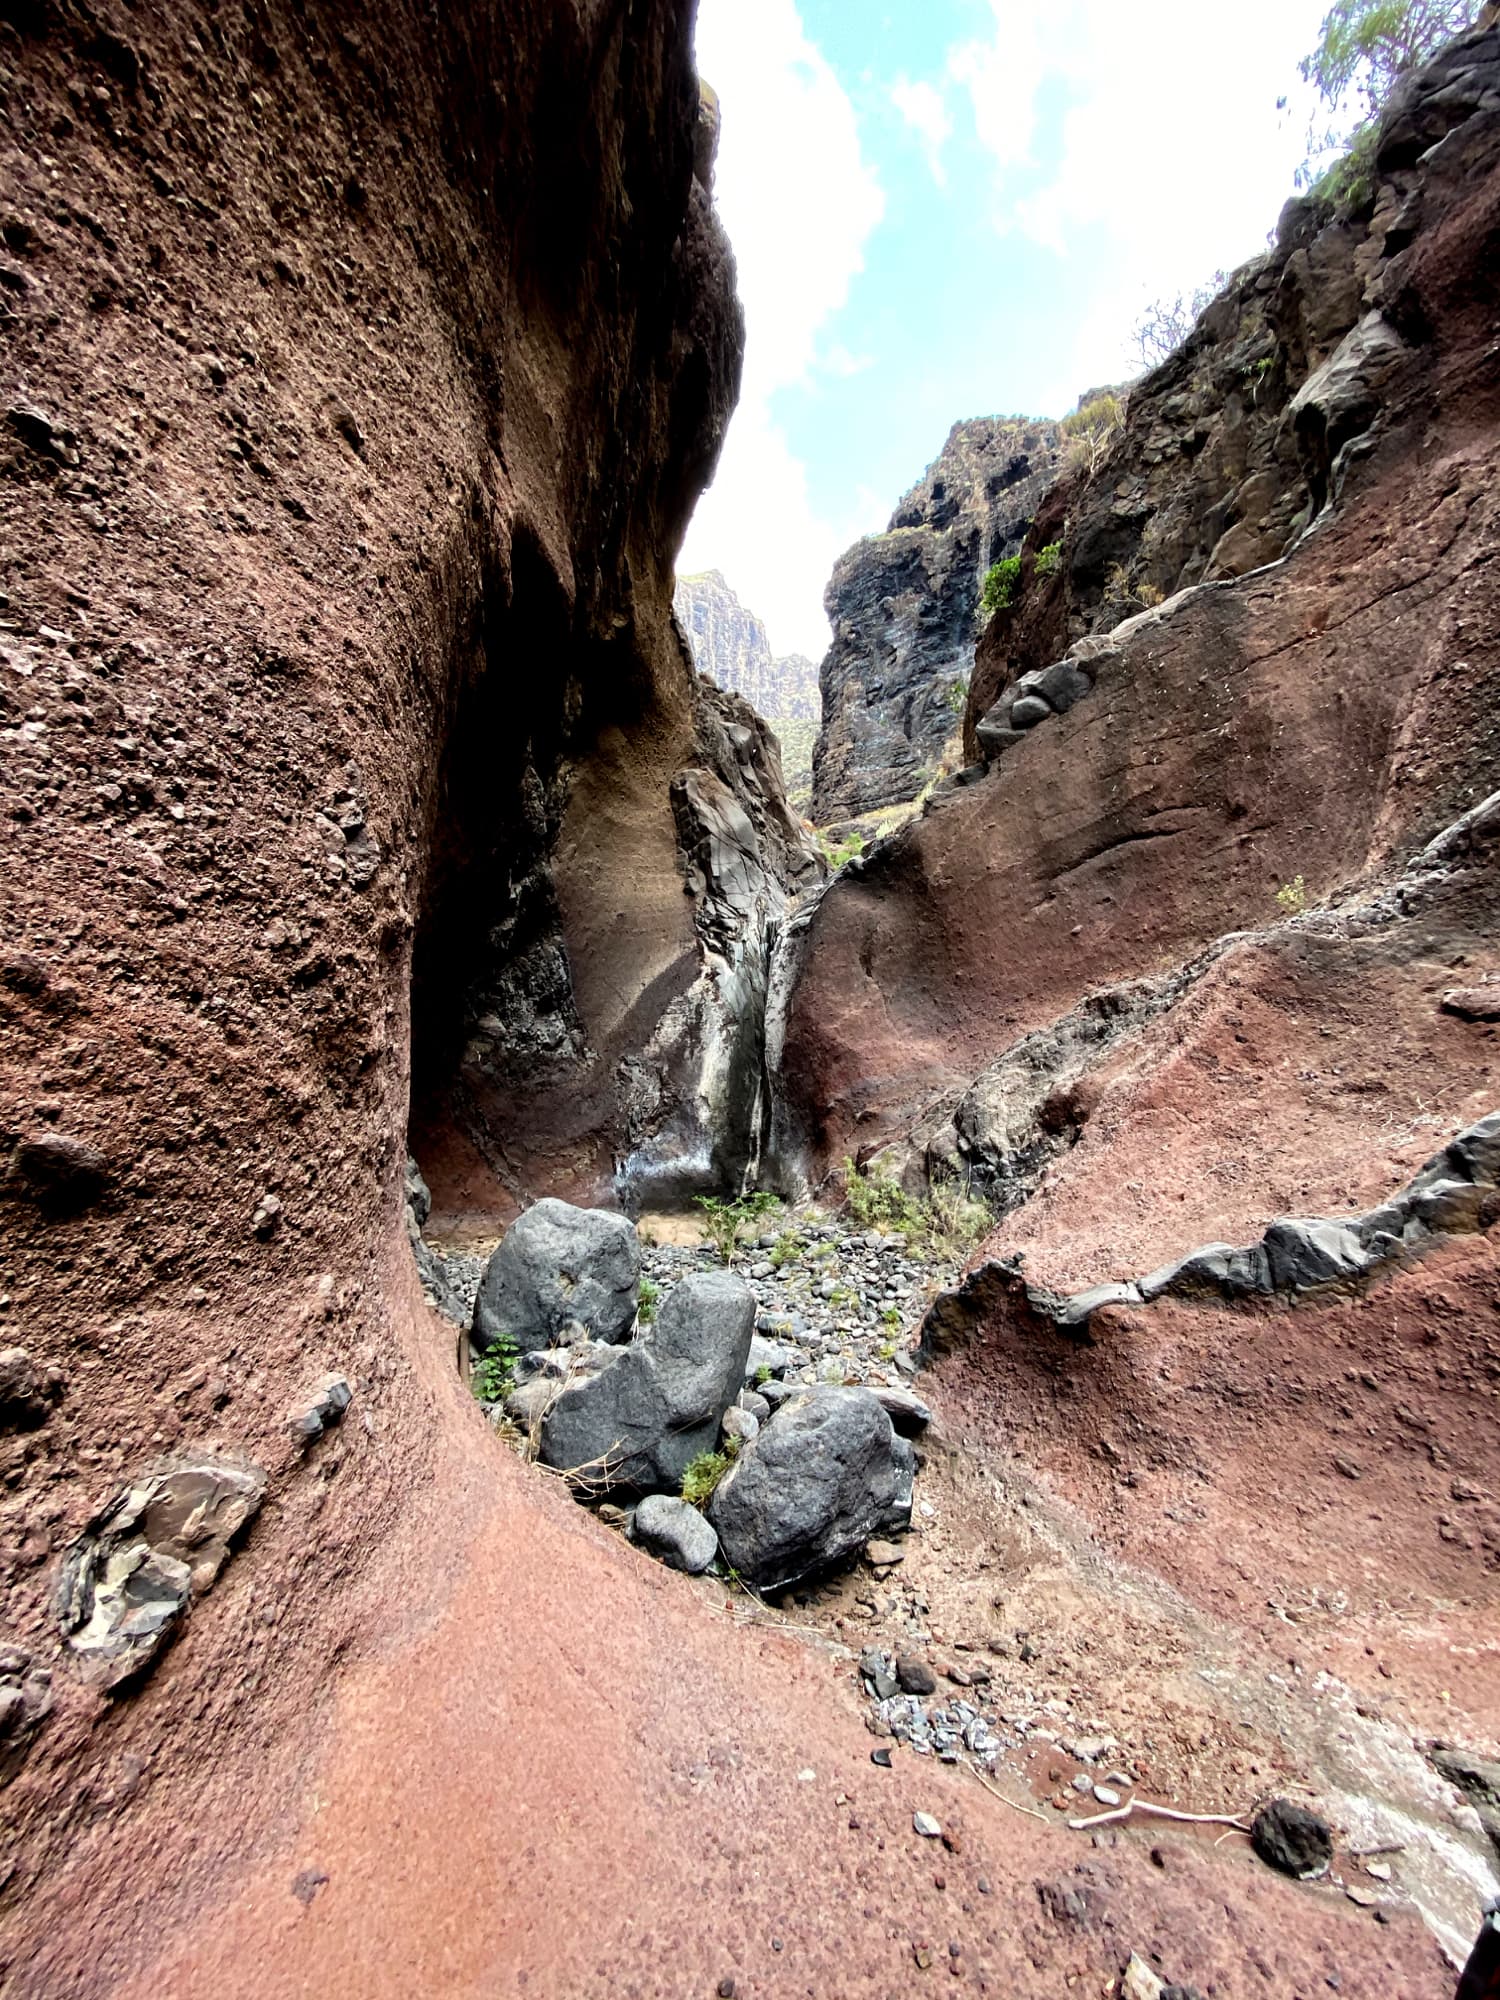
{"x":825,"y":1474}
{"x":638,"y":1420}
{"x":731,"y":649}
{"x":145,"y":1556}
{"x":904,"y":607}
{"x":1297,"y":730}
{"x":730,"y":646}
{"x":559,"y":1264}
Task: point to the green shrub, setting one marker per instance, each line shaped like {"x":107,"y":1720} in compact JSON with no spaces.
{"x":646,"y":1300}
{"x":836,"y":853}
{"x":875,"y":1199}
{"x":494,"y":1373}
{"x":723,"y":1220}
{"x":1000,"y":584}
{"x":1292,"y":896}
{"x":1047,"y":560}
{"x":702,"y":1476}
{"x":786,"y":1249}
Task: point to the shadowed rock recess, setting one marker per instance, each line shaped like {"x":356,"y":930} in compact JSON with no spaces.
{"x":363,"y":363}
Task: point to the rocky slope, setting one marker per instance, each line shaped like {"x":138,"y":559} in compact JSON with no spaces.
{"x":903,"y":607}
{"x":1204,"y":939}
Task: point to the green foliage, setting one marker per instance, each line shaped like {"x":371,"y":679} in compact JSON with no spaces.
{"x":494,"y":1373}
{"x":875,"y":1200}
{"x":1090,"y":427}
{"x":1365,"y":46}
{"x":646,"y":1300}
{"x":723,"y":1220}
{"x":1350,"y":182}
{"x":1292,"y":896}
{"x":786,"y":1249}
{"x":1000,"y":584}
{"x":1047,"y":560}
{"x":956,"y":696}
{"x":762,"y":1375}
{"x":702,"y":1476}
{"x":796,"y":735}
{"x":836,"y":853}
{"x":891,"y":1315}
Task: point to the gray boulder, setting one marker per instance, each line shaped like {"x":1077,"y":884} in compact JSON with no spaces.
{"x":675,"y":1533}
{"x":559,"y":1263}
{"x":826,"y":1473}
{"x":654,"y":1406}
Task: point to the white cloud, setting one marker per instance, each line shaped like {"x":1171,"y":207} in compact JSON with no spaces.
{"x":799,"y":201}
{"x":1167,"y":162}
{"x":923,"y":108}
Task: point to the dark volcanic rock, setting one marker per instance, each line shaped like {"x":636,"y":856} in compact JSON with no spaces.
{"x":675,"y":1533}
{"x":638,"y":1421}
{"x":559,"y":1264}
{"x":1291,"y":1838}
{"x":826,"y":1473}
{"x":903,"y":607}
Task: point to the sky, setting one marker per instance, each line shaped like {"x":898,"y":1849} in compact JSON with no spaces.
{"x":944,"y":209}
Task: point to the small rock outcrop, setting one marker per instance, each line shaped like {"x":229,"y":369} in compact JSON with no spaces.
{"x":558,"y":1266}
{"x":646,"y":1411}
{"x":145,"y":1557}
{"x":827,"y":1472}
{"x":903,"y":606}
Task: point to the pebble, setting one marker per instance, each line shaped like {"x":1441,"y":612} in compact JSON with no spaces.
{"x":1106,"y":1795}
{"x":926,"y":1825}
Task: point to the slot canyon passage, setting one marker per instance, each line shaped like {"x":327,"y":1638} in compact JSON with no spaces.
{"x":363,"y":365}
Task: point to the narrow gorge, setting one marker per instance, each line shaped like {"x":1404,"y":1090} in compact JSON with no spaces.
{"x":614,"y":1381}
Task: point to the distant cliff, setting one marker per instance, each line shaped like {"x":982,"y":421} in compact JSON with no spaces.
{"x":730,"y":645}
{"x":904,"y":611}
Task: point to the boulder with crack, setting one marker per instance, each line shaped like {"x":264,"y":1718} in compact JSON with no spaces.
{"x":638,"y":1421}
{"x":128,"y":1579}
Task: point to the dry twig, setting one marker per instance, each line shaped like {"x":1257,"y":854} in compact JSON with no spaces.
{"x":1160,"y":1812}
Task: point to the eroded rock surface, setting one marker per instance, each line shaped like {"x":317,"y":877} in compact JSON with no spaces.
{"x":557,"y":1266}
{"x":903,"y":608}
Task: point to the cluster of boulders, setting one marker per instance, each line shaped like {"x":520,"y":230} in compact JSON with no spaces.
{"x":784,"y":1481}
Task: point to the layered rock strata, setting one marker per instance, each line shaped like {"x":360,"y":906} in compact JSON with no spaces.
{"x":904,"y":605}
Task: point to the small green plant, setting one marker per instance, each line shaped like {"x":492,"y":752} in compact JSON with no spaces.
{"x":494,"y":1373}
{"x":1047,"y":560}
{"x":786,"y":1250}
{"x":1090,"y":427}
{"x":875,"y":1199}
{"x":702,"y":1476}
{"x":956,"y":1221}
{"x":762,"y":1375}
{"x":891,"y":1315}
{"x":837,"y":852}
{"x":1292,"y":896}
{"x":646,"y":1300}
{"x":723,"y":1220}
{"x":956,"y":696}
{"x":888,"y":1350}
{"x":1001,"y":581}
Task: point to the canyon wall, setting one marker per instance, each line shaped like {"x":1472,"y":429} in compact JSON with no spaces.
{"x":903,"y":606}
{"x":1252,"y":744}
{"x":362,"y":366}
{"x":730,"y":645}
